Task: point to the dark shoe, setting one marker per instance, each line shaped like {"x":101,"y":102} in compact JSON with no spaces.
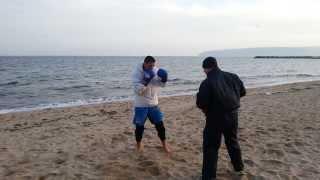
{"x":210,"y":179}
{"x":240,"y":173}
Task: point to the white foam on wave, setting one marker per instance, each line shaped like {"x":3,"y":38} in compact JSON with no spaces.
{"x":67,"y":104}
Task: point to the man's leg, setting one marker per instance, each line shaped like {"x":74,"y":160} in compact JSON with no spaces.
{"x":140,"y":116}
{"x":139,"y":133}
{"x":211,"y":144}
{"x":162,"y":135}
{"x":231,"y":140}
{"x":156,"y":118}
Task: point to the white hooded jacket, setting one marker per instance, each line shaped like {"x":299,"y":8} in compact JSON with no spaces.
{"x":145,"y":96}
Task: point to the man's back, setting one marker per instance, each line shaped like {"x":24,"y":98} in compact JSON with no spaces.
{"x":220,"y":92}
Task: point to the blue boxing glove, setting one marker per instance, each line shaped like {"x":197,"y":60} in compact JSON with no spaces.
{"x":147,"y":76}
{"x":163,"y":75}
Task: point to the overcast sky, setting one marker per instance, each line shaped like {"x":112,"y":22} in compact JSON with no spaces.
{"x":155,"y":27}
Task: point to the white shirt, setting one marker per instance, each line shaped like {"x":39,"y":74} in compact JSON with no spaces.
{"x":145,"y":96}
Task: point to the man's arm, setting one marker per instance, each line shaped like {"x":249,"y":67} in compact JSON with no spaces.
{"x":156,"y":81}
{"x":242,"y":89}
{"x":203,"y":96}
{"x":137,"y":82}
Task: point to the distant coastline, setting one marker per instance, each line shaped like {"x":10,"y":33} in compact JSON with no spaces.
{"x":265,"y":51}
{"x":287,"y":57}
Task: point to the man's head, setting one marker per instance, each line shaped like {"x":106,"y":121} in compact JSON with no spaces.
{"x":149,"y":63}
{"x":209,"y":63}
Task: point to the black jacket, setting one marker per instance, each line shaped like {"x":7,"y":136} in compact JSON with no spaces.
{"x":219,"y":93}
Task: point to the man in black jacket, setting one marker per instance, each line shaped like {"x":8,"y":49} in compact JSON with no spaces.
{"x":219,"y":99}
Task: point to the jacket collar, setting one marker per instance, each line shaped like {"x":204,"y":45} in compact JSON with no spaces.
{"x":213,"y":71}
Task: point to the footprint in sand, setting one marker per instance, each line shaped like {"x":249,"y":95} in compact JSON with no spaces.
{"x":299,"y":144}
{"x":284,"y":177}
{"x":179,"y":159}
{"x":118,"y":140}
{"x":17,"y":125}
{"x":112,"y":112}
{"x":272,"y":129}
{"x":103,"y":112}
{"x":255,"y":177}
{"x":146,"y":163}
{"x":153,"y":170}
{"x":276,"y":153}
{"x":289,"y":145}
{"x":61,"y":157}
{"x":8,"y":172}
{"x":148,"y":166}
{"x":128,"y":132}
{"x":309,"y":128}
{"x":263,"y":132}
{"x":80,"y":157}
{"x":294,"y":151}
{"x":249,"y":162}
{"x":271,"y":164}
{"x":86,"y":124}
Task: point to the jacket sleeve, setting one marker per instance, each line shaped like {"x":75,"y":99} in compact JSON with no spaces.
{"x":156,"y":81}
{"x":137,"y":78}
{"x":203,"y":96}
{"x":243,"y":91}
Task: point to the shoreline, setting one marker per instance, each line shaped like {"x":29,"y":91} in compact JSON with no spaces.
{"x":94,"y":102}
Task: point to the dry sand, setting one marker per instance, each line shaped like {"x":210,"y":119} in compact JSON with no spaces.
{"x":279,"y":136}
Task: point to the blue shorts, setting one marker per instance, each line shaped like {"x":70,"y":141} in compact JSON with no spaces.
{"x":142,"y":113}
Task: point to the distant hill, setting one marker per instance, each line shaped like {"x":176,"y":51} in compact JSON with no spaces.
{"x":265,"y":51}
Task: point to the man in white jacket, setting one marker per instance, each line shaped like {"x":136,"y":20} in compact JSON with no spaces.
{"x":147,"y":79}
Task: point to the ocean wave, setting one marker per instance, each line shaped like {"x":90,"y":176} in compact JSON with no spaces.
{"x":120,"y":87}
{"x":67,"y":104}
{"x":93,"y":101}
{"x":170,"y":82}
{"x":178,"y":81}
{"x":25,"y":84}
{"x":279,"y":76}
{"x":79,"y":86}
{"x":61,"y":78}
{"x":10,"y":83}
{"x":68,"y":88}
{"x":15,"y":83}
{"x":100,"y":82}
{"x":174,"y":80}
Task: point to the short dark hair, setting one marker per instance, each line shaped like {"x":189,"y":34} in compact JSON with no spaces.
{"x":149,"y":59}
{"x":209,"y":62}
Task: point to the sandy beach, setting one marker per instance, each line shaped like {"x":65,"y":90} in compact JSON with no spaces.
{"x":278,"y":130}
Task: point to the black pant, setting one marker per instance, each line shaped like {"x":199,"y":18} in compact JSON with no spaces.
{"x":226,"y":124}
{"x":159,"y":127}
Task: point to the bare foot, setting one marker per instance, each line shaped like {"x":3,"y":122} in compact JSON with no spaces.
{"x":165,"y":147}
{"x":139,"y":147}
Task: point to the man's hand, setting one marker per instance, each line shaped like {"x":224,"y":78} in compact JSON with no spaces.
{"x":142,"y":91}
{"x":163,"y":75}
{"x":147,"y":76}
